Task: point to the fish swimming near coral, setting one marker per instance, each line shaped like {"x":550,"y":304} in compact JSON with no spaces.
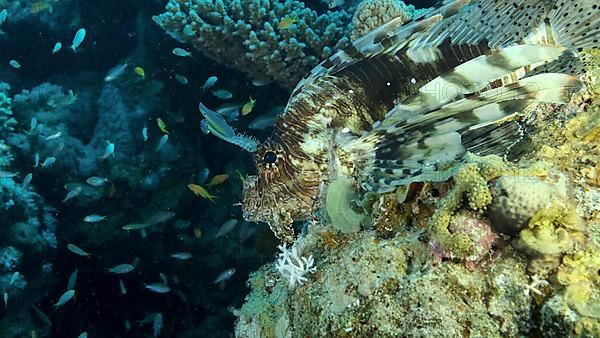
{"x":408,"y":101}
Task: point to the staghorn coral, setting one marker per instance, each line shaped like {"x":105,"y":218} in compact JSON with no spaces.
{"x":246,"y":36}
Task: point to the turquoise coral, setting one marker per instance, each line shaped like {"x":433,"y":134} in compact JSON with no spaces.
{"x":245,"y":35}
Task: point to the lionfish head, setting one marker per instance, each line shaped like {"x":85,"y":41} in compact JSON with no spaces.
{"x":283,"y":191}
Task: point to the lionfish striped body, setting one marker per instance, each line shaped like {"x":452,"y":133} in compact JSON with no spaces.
{"x":404,"y":102}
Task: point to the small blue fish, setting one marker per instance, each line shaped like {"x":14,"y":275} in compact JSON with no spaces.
{"x":36,"y":160}
{"x":181,"y":79}
{"x":93,"y":218}
{"x":77,"y":250}
{"x":262,"y":122}
{"x":210,"y":82}
{"x":3,"y":15}
{"x":203,"y":175}
{"x":215,"y":124}
{"x":72,"y":280}
{"x":121,"y":269}
{"x":57,"y":47}
{"x":162,"y":142}
{"x":222,"y":94}
{"x":224,"y":276}
{"x":78,"y":39}
{"x":53,"y":136}
{"x":48,"y":162}
{"x":183,"y":256}
{"x":96,"y":181}
{"x":72,"y":193}
{"x":145,"y":133}
{"x":33,"y":124}
{"x":122,"y":287}
{"x":65,"y":298}
{"x":15,"y":64}
{"x":181,"y":52}
{"x":27,"y":180}
{"x":115,"y":72}
{"x":83,"y":335}
{"x":158,"y":287}
{"x":109,"y":150}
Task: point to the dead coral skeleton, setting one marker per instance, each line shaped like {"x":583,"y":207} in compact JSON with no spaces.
{"x":536,"y":284}
{"x":294,"y":267}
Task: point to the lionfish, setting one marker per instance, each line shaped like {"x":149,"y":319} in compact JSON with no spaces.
{"x":408,"y":100}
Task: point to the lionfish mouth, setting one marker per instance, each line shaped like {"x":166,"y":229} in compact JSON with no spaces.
{"x":278,"y":210}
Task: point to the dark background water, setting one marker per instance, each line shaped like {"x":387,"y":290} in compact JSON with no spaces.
{"x":118,"y":30}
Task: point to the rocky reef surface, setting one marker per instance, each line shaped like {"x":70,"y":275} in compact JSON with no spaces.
{"x":502,"y":249}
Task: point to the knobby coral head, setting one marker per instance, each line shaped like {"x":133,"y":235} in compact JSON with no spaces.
{"x":284,"y":190}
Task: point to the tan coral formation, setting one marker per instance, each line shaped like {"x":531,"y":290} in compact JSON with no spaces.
{"x":371,"y":14}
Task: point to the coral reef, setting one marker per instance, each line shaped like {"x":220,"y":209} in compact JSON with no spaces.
{"x":370,"y":14}
{"x":501,"y":249}
{"x":385,"y":288}
{"x":251,"y":36}
{"x":28,"y":230}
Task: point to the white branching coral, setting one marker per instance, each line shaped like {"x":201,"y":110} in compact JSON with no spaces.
{"x":294,"y":267}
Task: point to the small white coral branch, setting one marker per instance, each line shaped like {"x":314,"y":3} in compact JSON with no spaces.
{"x":294,"y":267}
{"x":536,"y":284}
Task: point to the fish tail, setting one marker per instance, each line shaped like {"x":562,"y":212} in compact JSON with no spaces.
{"x":475,"y":72}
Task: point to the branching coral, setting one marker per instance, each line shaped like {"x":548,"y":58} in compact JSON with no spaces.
{"x":294,"y":267}
{"x":249,"y":35}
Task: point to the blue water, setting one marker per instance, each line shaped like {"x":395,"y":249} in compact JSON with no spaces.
{"x":67,"y":93}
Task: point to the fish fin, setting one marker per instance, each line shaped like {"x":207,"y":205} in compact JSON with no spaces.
{"x":426,"y":146}
{"x":574,"y":24}
{"x":386,"y":39}
{"x":496,"y":68}
{"x":493,"y":139}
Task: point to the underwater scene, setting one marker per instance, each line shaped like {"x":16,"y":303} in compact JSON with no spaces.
{"x":299,"y":168}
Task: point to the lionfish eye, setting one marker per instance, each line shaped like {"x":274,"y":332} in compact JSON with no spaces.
{"x":270,"y":157}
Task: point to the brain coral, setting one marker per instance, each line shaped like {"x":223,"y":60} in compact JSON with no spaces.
{"x":247,"y":35}
{"x":517,"y":198}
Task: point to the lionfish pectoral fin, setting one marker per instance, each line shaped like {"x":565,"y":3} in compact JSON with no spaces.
{"x":493,"y":139}
{"x":425,"y":147}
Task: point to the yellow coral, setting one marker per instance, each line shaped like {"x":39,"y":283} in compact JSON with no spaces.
{"x":552,"y":230}
{"x":469,"y":181}
{"x":582,"y":266}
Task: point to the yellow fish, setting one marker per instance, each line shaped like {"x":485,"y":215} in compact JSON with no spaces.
{"x":39,"y":6}
{"x":248,"y":106}
{"x":139,"y":71}
{"x":161,"y":125}
{"x":218,"y":179}
{"x":199,"y":190}
{"x":198,"y":233}
{"x":287,"y":22}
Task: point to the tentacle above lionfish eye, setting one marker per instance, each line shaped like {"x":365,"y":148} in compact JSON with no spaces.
{"x":270,"y":157}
